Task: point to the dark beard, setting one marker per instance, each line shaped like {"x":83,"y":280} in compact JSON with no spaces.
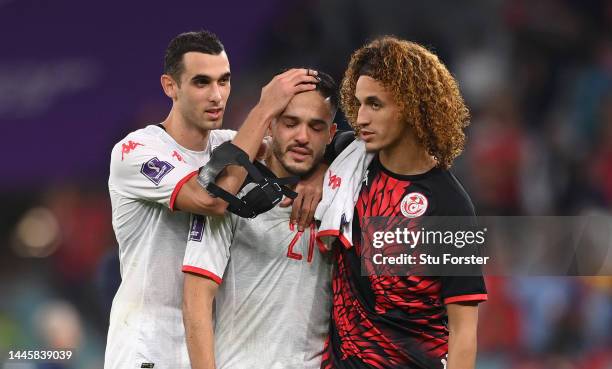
{"x":277,"y":151}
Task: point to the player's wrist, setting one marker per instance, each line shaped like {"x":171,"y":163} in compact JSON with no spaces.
{"x":225,"y":154}
{"x":262,"y":114}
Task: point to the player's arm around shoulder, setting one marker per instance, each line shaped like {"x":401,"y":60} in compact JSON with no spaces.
{"x":194,"y":199}
{"x":462,"y":326}
{"x":142,"y":167}
{"x":274,"y":98}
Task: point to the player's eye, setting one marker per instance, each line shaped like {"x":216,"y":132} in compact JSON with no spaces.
{"x":375,"y":105}
{"x":317,"y":127}
{"x":288,"y":122}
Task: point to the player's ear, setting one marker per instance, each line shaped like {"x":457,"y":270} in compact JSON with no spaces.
{"x":169,"y":86}
{"x":332,"y":132}
{"x":273,"y":122}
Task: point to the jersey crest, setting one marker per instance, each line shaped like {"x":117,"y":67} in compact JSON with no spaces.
{"x":414,"y":205}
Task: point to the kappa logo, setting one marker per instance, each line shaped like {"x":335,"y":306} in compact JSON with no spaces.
{"x":155,"y":169}
{"x":414,"y":205}
{"x":129,"y":147}
{"x":176,"y":155}
{"x":334,"y":181}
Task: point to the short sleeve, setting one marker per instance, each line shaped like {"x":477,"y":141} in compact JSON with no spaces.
{"x":463,"y":289}
{"x":457,"y":211}
{"x":469,"y":287}
{"x":208,"y":247}
{"x":147,"y":170}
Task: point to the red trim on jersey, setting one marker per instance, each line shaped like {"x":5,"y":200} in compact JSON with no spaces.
{"x":178,"y":187}
{"x":202,"y":272}
{"x":333,"y":233}
{"x":321,"y":245}
{"x":290,"y":253}
{"x":311,"y":241}
{"x":462,"y":298}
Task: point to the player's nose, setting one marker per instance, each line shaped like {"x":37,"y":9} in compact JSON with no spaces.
{"x":363,"y":118}
{"x":302,"y":134}
{"x":215,"y":93}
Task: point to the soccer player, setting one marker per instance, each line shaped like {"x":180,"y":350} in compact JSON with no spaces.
{"x":153,"y":188}
{"x":271,"y":287}
{"x":410,"y":116}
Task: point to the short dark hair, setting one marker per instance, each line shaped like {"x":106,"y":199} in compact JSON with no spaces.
{"x":200,"y":41}
{"x":328,"y":88}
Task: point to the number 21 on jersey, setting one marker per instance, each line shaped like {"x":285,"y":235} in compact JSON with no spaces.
{"x":291,"y":253}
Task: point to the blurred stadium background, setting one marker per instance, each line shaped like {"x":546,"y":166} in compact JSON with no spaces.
{"x":75,"y":77}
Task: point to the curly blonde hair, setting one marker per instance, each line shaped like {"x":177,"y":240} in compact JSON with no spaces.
{"x":426,"y":93}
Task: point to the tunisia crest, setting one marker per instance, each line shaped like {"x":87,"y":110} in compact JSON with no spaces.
{"x":414,"y":205}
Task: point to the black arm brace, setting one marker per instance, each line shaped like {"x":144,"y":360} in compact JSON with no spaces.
{"x":267,"y":192}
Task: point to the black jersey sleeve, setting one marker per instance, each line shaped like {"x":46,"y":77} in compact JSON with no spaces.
{"x":461,"y":215}
{"x":469,"y":287}
{"x":463,"y":289}
{"x":340,"y":141}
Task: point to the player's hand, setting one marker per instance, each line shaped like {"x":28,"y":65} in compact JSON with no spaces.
{"x":310,"y":192}
{"x":276,"y":95}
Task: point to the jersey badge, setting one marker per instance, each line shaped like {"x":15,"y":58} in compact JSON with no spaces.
{"x":197,"y":228}
{"x":155,"y":169}
{"x":414,"y":205}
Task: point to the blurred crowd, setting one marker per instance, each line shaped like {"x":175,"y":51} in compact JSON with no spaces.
{"x":537,"y":77}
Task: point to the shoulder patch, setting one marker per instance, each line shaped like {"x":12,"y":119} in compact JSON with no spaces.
{"x":156,"y":169}
{"x":197,"y":228}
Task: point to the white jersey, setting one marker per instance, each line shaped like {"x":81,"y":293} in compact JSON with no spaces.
{"x":272,"y":308}
{"x":147,"y":171}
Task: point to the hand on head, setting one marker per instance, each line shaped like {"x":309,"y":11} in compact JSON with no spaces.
{"x":276,"y":95}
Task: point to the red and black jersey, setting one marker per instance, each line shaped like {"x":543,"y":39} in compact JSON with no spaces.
{"x":396,"y":321}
